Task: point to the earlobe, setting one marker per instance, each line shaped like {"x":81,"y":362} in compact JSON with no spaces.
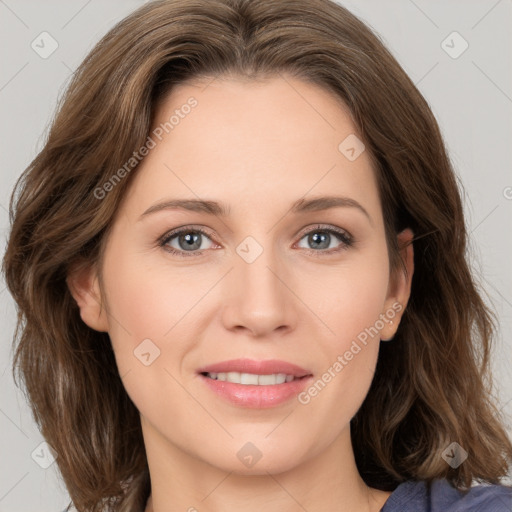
{"x":83,"y":284}
{"x":399,"y":289}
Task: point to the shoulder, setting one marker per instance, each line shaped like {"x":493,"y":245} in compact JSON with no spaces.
{"x":441,"y":496}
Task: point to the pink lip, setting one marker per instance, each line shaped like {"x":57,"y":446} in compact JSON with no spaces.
{"x":267,"y":367}
{"x":254,"y":396}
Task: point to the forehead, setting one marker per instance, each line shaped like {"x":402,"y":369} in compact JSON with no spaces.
{"x":241,"y":140}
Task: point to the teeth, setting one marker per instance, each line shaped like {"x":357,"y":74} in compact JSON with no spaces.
{"x":247,"y":378}
{"x":251,"y":378}
{"x":268,"y":380}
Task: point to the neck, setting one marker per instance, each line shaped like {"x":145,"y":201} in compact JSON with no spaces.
{"x":326,"y":481}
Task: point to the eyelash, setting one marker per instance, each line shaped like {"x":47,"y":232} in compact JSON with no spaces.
{"x":346,"y":239}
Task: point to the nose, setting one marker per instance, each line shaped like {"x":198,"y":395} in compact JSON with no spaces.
{"x":259,"y":297}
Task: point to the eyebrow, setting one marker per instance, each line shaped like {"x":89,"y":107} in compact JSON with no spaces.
{"x":218,"y":209}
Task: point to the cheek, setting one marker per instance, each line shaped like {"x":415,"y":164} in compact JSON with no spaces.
{"x":144,"y":307}
{"x":351,"y":306}
{"x":352,"y":299}
{"x":152,"y":310}
{"x":145,"y":301}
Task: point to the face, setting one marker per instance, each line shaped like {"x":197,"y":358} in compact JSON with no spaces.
{"x":270,"y":272}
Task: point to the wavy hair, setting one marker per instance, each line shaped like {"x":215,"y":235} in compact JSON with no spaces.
{"x":432,"y":384}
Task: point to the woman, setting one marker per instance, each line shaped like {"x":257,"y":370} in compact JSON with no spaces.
{"x":237,"y":203}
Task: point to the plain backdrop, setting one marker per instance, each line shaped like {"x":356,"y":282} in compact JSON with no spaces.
{"x":469,"y":90}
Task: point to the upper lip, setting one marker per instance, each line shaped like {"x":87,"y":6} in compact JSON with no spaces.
{"x":267,"y":367}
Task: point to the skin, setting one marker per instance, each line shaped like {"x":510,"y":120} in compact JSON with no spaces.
{"x":257,"y":147}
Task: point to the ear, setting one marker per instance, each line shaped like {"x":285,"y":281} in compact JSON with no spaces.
{"x":83,"y":283}
{"x":399,"y":289}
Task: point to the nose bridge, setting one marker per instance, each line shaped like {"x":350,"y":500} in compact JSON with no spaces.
{"x":260,"y":301}
{"x":257,"y":269}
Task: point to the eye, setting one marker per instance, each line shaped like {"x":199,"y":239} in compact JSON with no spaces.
{"x":322,"y":238}
{"x":185,"y":242}
{"x":188,"y":241}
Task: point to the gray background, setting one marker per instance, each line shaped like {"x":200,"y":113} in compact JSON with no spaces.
{"x":471,"y":96}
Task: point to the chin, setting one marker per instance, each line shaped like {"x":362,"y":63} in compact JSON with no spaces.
{"x":259,"y":457}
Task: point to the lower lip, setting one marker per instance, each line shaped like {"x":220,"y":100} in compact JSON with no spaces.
{"x":254,"y":396}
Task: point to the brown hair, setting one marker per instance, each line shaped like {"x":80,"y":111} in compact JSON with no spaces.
{"x":431,"y":385}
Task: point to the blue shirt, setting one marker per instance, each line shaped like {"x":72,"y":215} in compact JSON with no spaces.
{"x":414,"y":496}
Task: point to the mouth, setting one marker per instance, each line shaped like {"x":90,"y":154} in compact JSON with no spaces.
{"x":255,"y":384}
{"x":252,"y":379}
